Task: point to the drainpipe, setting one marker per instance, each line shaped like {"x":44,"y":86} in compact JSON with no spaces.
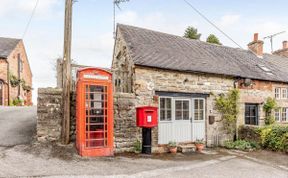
{"x":8,"y":82}
{"x":235,"y":85}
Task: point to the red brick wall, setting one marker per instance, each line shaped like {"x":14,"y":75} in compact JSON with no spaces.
{"x":3,"y":78}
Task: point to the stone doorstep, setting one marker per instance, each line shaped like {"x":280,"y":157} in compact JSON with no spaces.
{"x":186,"y":148}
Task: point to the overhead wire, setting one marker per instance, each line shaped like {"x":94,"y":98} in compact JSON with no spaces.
{"x":30,"y":19}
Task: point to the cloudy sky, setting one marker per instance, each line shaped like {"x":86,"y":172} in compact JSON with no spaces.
{"x":93,"y":26}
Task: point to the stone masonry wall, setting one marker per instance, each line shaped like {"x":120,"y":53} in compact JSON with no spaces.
{"x":149,"y":80}
{"x":49,"y":114}
{"x":126,"y":132}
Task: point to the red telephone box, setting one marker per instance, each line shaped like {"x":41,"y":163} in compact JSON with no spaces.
{"x":94,"y":112}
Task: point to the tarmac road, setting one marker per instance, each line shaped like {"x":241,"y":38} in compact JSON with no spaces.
{"x":18,"y":125}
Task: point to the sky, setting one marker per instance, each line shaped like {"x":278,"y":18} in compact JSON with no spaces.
{"x":92,"y":37}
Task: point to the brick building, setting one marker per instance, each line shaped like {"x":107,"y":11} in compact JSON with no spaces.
{"x":15,"y":72}
{"x":178,"y":75}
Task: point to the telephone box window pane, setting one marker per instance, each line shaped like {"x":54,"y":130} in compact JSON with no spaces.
{"x":94,"y":88}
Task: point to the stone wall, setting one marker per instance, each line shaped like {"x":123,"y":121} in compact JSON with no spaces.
{"x":49,"y":111}
{"x":49,"y":114}
{"x":149,"y":80}
{"x":126,"y":132}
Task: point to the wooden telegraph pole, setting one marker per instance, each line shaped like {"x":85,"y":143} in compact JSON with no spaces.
{"x":67,"y":73}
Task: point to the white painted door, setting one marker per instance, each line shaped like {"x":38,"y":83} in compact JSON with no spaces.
{"x":198,"y":119}
{"x":181,"y":123}
{"x":181,"y":119}
{"x":174,"y":120}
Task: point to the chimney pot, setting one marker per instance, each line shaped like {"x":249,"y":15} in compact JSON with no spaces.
{"x":255,"y":36}
{"x":285,"y":44}
{"x":256,"y":45}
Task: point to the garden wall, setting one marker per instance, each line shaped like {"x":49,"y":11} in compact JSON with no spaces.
{"x":50,"y":115}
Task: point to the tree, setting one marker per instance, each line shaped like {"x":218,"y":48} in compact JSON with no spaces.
{"x":213,"y":39}
{"x":192,"y":33}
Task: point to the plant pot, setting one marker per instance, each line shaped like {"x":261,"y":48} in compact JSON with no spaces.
{"x":173,"y":149}
{"x":199,"y":147}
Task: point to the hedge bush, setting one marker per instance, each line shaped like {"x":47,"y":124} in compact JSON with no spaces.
{"x":241,"y":145}
{"x":273,"y":137}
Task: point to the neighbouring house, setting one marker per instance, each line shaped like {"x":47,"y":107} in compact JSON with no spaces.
{"x":179,"y":76}
{"x":15,"y":73}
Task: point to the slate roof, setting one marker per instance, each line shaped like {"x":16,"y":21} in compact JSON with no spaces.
{"x":7,"y":45}
{"x":160,"y":50}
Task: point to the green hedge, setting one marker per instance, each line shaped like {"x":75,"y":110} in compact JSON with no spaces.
{"x":273,"y":137}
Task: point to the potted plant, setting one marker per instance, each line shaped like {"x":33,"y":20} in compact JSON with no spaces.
{"x":137,"y":147}
{"x":172,"y":147}
{"x":199,"y":143}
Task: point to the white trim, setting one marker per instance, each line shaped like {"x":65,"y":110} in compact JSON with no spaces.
{"x":159,"y":110}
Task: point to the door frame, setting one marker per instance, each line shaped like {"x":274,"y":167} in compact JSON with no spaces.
{"x":191,"y":120}
{"x":199,"y":121}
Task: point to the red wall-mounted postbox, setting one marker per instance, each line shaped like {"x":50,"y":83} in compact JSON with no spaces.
{"x":147,"y":116}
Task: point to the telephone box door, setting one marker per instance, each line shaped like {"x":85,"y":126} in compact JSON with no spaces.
{"x":95,"y":124}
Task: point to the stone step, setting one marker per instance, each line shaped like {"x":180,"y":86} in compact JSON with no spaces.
{"x":186,"y":148}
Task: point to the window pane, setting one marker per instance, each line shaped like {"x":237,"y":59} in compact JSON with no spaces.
{"x":201,"y":104}
{"x":185,"y":115}
{"x":185,"y":105}
{"x":178,"y":105}
{"x":178,"y":115}
{"x":162,"y":103}
{"x":201,"y":115}
{"x":284,"y":114}
{"x":196,"y":104}
{"x":162,"y":115}
{"x":251,"y":114}
{"x":169,"y":118}
{"x":168,"y":103}
{"x":196,"y":116}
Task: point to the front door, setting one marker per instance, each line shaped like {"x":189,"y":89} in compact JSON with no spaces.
{"x":182,"y":124}
{"x":181,"y":119}
{"x":198,"y":119}
{"x":1,"y":93}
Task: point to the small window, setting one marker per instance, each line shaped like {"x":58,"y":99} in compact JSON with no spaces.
{"x":284,"y":114}
{"x":165,"y":109}
{"x":251,"y":114}
{"x":277,"y":115}
{"x":182,"y":110}
{"x":198,"y":109}
{"x":284,"y":93}
{"x":277,"y":93}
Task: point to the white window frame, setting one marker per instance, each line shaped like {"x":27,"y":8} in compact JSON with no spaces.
{"x":159,"y":110}
{"x":278,"y":93}
{"x":193,"y":108}
{"x":284,"y":93}
{"x":189,"y":108}
{"x":278,"y":114}
{"x":284,"y":114}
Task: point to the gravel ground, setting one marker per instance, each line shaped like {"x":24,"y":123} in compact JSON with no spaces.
{"x":58,"y":161}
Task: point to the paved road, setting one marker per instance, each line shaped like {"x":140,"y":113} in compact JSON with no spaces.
{"x":18,"y":124}
{"x":16,"y":162}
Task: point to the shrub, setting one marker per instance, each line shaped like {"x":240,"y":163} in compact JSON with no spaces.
{"x":241,"y":145}
{"x":137,"y":146}
{"x":272,"y":137}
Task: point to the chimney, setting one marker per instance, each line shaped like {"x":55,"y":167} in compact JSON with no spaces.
{"x":284,"y":51}
{"x":256,"y":45}
{"x":285,"y":44}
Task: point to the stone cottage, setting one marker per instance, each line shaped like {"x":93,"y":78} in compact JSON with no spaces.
{"x":179,"y":76}
{"x":14,"y":67}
